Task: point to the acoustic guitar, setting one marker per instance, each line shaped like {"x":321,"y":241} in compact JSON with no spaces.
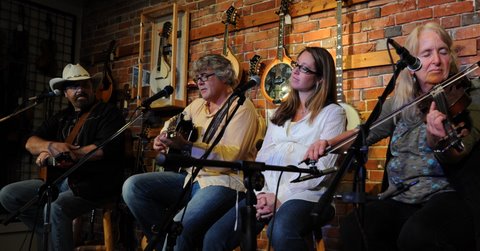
{"x":161,"y":72}
{"x":105,"y":88}
{"x":353,"y":118}
{"x":276,"y":77}
{"x":231,"y":18}
{"x":185,"y":128}
{"x":54,"y":167}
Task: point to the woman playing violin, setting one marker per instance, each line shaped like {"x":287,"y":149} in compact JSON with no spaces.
{"x":431,"y":214}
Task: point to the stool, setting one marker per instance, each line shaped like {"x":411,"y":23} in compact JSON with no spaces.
{"x":108,"y":244}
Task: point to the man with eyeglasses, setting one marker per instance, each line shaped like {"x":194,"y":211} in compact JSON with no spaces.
{"x":214,"y":191}
{"x":61,"y":141}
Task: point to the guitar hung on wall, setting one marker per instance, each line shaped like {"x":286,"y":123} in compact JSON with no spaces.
{"x":105,"y":88}
{"x":231,"y":18}
{"x":275,"y":81}
{"x":353,"y":118}
{"x":161,"y":73}
{"x":255,"y":65}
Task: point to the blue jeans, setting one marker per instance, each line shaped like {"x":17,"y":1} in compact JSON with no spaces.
{"x":150,"y":195}
{"x":291,"y":226}
{"x":63,"y":210}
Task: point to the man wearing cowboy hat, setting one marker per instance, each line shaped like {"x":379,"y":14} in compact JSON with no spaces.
{"x":72,"y":133}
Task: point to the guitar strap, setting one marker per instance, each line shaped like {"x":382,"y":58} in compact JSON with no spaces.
{"x":217,"y":120}
{"x":73,"y":133}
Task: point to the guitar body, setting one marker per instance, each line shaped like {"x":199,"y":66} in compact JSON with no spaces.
{"x":187,"y":129}
{"x":105,"y":88}
{"x":276,"y":79}
{"x":104,"y":91}
{"x":54,"y":167}
{"x":161,"y":72}
{"x":235,"y":64}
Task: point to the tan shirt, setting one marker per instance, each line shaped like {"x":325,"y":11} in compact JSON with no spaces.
{"x":237,"y":143}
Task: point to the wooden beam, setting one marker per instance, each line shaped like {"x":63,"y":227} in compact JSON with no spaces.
{"x":371,"y":59}
{"x":266,"y":17}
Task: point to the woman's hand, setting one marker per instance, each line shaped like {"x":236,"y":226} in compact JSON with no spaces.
{"x":434,"y":121}
{"x":316,"y":150}
{"x":265,"y":204}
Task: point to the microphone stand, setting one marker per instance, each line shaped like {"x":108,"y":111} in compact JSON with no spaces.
{"x":49,"y":190}
{"x":28,"y":107}
{"x":168,"y":225}
{"x":357,"y":154}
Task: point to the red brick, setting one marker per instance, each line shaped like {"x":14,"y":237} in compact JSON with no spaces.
{"x":367,"y":82}
{"x":315,"y":35}
{"x":450,"y":22}
{"x":467,"y":32}
{"x":375,"y":35}
{"x":372,"y":93}
{"x":428,"y":3}
{"x":466,"y":47}
{"x":452,"y":9}
{"x":396,"y":8}
{"x":304,"y":26}
{"x":364,"y":15}
{"x":410,"y":16}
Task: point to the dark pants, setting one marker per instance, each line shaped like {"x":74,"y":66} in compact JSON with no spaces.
{"x":442,"y":223}
{"x":466,"y":180}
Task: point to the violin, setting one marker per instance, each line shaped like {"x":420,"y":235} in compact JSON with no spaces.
{"x":458,"y":107}
{"x":451,"y":101}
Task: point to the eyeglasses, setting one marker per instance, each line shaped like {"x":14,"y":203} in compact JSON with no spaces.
{"x":202,"y":77}
{"x":303,"y":69}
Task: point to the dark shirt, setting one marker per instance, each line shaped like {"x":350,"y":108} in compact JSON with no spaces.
{"x":97,"y":179}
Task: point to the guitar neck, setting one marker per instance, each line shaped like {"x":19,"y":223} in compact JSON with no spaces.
{"x":339,"y":52}
{"x":281,"y":31}
{"x":225,"y":40}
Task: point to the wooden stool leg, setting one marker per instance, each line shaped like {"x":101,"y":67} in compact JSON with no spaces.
{"x":107,"y":230}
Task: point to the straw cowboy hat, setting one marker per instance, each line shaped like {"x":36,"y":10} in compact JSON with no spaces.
{"x":73,"y":73}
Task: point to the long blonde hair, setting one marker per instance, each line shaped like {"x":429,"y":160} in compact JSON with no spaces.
{"x":407,"y":88}
{"x":325,"y":92}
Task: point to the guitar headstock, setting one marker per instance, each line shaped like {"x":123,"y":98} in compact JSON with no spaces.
{"x":231,"y":16}
{"x":284,"y":7}
{"x":110,"y":52}
{"x":167,"y":29}
{"x":254,"y":65}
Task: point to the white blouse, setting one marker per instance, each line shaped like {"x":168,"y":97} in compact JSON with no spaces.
{"x":287,"y":144}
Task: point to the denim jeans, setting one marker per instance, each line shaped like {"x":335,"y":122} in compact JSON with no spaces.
{"x":62,"y":211}
{"x":149,"y":196}
{"x":288,"y":231}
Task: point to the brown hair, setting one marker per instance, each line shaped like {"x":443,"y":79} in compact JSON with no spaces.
{"x":325,"y":91}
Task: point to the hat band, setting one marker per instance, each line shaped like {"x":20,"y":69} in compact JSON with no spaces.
{"x":76,"y":76}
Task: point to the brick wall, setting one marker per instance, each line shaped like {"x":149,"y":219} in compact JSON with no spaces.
{"x":366,"y":25}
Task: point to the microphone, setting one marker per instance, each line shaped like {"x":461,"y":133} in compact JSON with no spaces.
{"x":399,"y":188}
{"x":41,"y":96}
{"x":163,"y":93}
{"x":413,"y":63}
{"x":254,"y":80}
{"x":319,"y":173}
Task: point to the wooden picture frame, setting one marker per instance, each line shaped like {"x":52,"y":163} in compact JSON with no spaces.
{"x":167,"y":55}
